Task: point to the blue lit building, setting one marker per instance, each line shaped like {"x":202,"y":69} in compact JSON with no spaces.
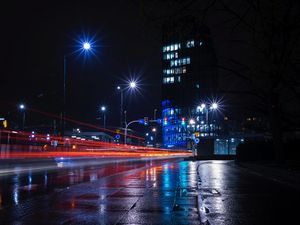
{"x":189,"y":78}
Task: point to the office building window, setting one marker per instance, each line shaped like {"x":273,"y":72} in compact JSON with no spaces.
{"x":190,"y":44}
{"x":171,"y":55}
{"x":171,"y":80}
{"x":178,"y":70}
{"x":173,"y":47}
{"x":180,"y":62}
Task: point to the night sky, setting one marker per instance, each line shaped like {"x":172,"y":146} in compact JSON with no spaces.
{"x":126,"y":45}
{"x":35,"y":37}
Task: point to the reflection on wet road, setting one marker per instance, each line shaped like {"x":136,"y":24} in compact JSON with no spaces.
{"x":230,"y":195}
{"x":156,"y":192}
{"x":169,"y":191}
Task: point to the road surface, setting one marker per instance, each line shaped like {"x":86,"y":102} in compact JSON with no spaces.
{"x":169,"y":191}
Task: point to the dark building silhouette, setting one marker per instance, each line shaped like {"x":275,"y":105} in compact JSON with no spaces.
{"x":189,"y":79}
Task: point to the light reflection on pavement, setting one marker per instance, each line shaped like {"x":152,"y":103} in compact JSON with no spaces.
{"x":145,"y":192}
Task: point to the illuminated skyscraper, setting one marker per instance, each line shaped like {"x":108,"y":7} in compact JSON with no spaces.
{"x":189,"y":78}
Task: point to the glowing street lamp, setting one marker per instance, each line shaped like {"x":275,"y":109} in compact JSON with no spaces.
{"x":214,"y":106}
{"x":131,"y":85}
{"x":192,"y":122}
{"x":103,"y":110}
{"x":85,"y":46}
{"x":22,"y":108}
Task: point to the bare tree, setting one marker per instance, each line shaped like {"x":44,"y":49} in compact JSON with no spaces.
{"x":257,"y":44}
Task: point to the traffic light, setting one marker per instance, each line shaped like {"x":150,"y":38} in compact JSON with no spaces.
{"x":182,"y":121}
{"x":165,"y":121}
{"x":146,"y":121}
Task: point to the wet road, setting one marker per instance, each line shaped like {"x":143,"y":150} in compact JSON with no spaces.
{"x":169,"y":191}
{"x":137,"y":192}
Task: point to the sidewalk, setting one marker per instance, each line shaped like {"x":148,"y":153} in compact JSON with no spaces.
{"x":247,"y":193}
{"x":287,"y":174}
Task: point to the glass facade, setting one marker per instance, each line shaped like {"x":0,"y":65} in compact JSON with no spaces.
{"x":226,"y":146}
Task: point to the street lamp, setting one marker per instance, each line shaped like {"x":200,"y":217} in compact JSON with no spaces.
{"x":103,"y":110}
{"x":131,"y":85}
{"x":214,"y":106}
{"x":86,"y":46}
{"x":22,"y":108}
{"x":154,"y":114}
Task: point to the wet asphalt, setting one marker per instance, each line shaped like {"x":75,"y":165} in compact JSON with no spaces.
{"x":169,"y":191}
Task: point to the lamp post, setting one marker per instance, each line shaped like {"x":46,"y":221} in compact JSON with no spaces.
{"x":103,"y":110}
{"x":154,"y":114}
{"x":86,"y":46}
{"x":214,"y":106}
{"x":131,"y":85}
{"x":126,"y":127}
{"x":22,"y":108}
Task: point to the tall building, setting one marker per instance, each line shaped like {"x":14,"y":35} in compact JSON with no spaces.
{"x":189,"y":79}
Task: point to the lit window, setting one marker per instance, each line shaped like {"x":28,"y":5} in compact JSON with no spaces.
{"x":168,"y":48}
{"x":190,"y":44}
{"x":188,"y":60}
{"x":184,"y":69}
{"x":172,"y":48}
{"x":200,"y":43}
{"x":176,"y":55}
{"x":164,"y":49}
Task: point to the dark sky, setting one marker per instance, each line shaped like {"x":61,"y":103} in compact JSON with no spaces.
{"x":36,"y":35}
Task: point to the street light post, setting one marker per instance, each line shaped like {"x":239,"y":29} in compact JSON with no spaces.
{"x":22,"y":108}
{"x":64,"y":103}
{"x":126,"y":127}
{"x":213,"y":106}
{"x":154,"y":114}
{"x":121,"y":105}
{"x":86,"y":46}
{"x":131,"y":85}
{"x":103,"y":110}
